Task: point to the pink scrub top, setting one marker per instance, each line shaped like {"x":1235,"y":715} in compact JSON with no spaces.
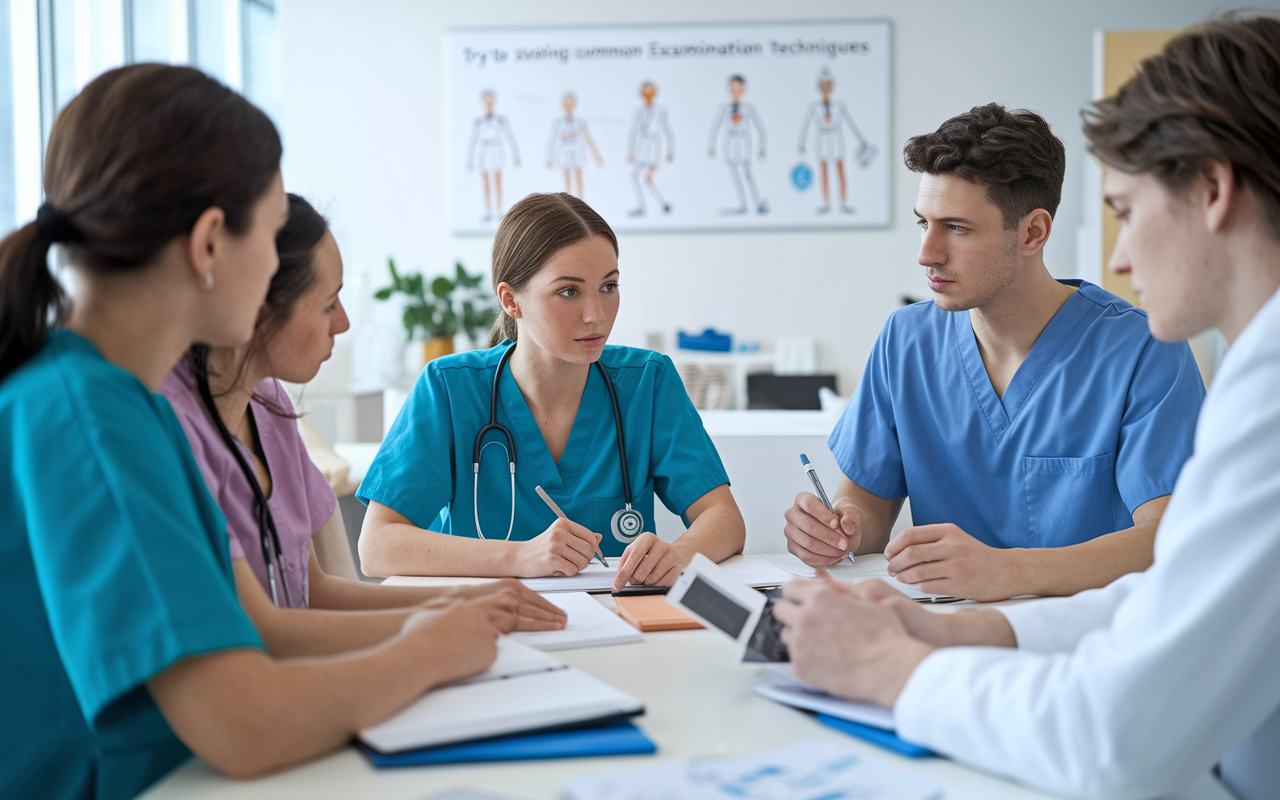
{"x":301,"y":500}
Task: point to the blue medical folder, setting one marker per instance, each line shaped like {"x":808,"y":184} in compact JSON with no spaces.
{"x":886,"y":739}
{"x":615,"y":737}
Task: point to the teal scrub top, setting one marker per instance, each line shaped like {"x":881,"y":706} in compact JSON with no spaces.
{"x":1097,"y":420}
{"x":113,"y":565}
{"x":424,"y":468}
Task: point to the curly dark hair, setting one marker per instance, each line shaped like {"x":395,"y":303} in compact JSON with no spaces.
{"x":1212,"y":94}
{"x":1013,"y":153}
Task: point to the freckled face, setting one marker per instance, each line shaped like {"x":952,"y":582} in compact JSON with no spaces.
{"x":569,"y":307}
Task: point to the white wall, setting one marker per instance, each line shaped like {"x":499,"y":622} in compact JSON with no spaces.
{"x":364,"y":92}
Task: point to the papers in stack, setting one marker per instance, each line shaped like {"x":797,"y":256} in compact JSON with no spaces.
{"x":589,"y":625}
{"x":515,"y":696}
{"x":812,"y":768}
{"x":869,"y":566}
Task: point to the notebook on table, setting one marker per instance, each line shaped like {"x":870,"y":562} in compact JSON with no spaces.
{"x":613,"y":737}
{"x":589,"y":624}
{"x":518,"y":695}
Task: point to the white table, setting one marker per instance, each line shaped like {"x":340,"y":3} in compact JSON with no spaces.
{"x":700,"y":704}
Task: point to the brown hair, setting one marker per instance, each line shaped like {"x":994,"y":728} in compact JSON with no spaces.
{"x":1212,"y":94}
{"x":532,"y":232}
{"x":296,"y":245}
{"x":132,"y":163}
{"x":1013,"y":153}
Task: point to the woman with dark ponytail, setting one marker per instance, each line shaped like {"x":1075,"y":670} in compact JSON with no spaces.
{"x":124,"y":647}
{"x":244,"y":437}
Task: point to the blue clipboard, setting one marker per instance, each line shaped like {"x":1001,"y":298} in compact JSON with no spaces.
{"x":886,"y":739}
{"x":616,"y":737}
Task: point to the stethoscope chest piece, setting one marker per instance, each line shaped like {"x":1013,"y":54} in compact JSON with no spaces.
{"x":627,"y":523}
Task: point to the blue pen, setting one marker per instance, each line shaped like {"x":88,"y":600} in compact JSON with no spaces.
{"x":817,"y":485}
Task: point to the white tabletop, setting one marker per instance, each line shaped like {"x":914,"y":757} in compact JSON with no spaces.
{"x":700,"y":704}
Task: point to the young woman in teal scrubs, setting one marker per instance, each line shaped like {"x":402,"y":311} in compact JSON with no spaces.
{"x":445,"y":500}
{"x":244,"y":437}
{"x":124,"y":646}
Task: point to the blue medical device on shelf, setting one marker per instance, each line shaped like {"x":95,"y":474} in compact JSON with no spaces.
{"x":707,"y":340}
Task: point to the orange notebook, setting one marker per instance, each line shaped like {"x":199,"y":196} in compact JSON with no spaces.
{"x":652,"y":612}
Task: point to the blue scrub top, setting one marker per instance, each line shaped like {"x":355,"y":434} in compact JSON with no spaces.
{"x":113,"y":565}
{"x":424,"y":467}
{"x":1097,"y":421}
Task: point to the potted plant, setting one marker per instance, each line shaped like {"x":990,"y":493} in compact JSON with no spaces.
{"x":441,"y":309}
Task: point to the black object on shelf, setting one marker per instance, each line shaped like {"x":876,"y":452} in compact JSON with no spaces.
{"x":796,"y":392}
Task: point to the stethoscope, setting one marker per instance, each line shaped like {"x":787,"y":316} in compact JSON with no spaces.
{"x":268,"y":536}
{"x":627,"y":522}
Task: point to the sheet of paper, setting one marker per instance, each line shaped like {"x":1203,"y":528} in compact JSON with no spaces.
{"x":870,"y":566}
{"x":590,"y":625}
{"x":592,"y":578}
{"x":757,"y":571}
{"x":514,"y":659}
{"x":806,"y":770}
{"x":786,"y":689}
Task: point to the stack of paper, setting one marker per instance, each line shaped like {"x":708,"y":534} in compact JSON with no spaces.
{"x":590,"y":625}
{"x":754,"y":571}
{"x":812,"y":768}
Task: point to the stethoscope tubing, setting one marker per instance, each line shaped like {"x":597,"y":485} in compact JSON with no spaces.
{"x":494,"y":426}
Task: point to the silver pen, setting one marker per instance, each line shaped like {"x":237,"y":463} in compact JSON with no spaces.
{"x":822,"y":494}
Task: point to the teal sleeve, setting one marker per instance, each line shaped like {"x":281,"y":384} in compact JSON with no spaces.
{"x":685,"y":464}
{"x":130,"y":551}
{"x":413,"y":471}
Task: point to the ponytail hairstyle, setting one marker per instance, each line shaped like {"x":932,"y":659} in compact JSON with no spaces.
{"x":296,"y":245}
{"x":532,"y":231}
{"x":132,"y":163}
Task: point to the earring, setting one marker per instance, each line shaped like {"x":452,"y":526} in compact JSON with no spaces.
{"x":208,"y":282}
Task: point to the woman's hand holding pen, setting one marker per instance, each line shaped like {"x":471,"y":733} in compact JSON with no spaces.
{"x":822,"y":538}
{"x":648,"y":561}
{"x":564,"y":548}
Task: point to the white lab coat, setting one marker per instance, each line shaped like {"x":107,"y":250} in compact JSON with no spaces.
{"x":1139,"y":688}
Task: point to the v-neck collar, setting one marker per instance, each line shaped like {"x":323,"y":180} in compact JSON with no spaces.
{"x":532,"y":446}
{"x":1000,"y":412}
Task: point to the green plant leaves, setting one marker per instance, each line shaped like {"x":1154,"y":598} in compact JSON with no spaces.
{"x":438,"y":315}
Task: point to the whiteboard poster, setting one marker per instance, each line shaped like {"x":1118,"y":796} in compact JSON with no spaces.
{"x":675,"y":127}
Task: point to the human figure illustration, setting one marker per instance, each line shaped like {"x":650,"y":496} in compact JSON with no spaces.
{"x":491,"y":135}
{"x":650,"y":138}
{"x":829,"y":118}
{"x":735,"y":120}
{"x":568,"y":146}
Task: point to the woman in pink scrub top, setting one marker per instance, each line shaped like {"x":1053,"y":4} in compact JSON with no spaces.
{"x":244,"y":436}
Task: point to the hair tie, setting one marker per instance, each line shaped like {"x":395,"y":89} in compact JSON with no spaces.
{"x":54,"y":226}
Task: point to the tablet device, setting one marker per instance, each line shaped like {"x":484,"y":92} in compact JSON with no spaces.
{"x":719,"y":601}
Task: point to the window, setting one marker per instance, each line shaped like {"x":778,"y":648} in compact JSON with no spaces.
{"x":49,"y":49}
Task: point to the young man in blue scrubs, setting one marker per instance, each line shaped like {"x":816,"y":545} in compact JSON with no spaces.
{"x":1040,"y":433}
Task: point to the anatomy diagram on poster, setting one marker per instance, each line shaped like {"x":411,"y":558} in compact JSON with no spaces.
{"x":679,"y":127}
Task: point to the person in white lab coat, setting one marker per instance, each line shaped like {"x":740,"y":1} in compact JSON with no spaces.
{"x":650,"y":138}
{"x":733,"y":124}
{"x":1139,"y":688}
{"x":490,"y":136}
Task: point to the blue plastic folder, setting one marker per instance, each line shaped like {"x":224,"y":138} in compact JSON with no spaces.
{"x":613,"y":738}
{"x":886,"y":739}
